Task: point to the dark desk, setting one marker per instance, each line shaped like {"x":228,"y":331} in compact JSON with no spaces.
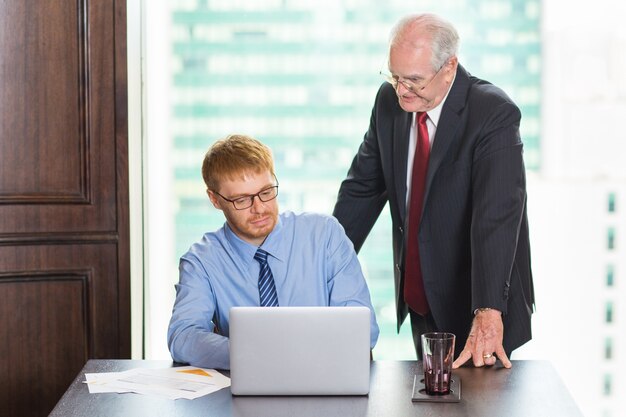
{"x":530,"y":388}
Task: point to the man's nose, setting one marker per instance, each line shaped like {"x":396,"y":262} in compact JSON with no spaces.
{"x":257,"y":204}
{"x":404,"y":87}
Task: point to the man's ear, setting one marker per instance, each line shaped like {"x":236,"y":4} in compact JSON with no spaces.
{"x":453,"y":62}
{"x":214,"y":199}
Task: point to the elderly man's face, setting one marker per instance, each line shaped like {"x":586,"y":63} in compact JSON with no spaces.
{"x":419,"y":87}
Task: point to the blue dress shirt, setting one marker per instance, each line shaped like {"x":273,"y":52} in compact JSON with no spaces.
{"x":313,"y":263}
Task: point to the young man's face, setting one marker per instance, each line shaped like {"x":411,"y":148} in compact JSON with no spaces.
{"x":254,"y":223}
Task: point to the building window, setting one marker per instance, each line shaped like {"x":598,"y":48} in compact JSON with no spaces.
{"x":609,"y":312}
{"x":608,"y":348}
{"x":610,"y":238}
{"x":611,"y":203}
{"x":608,"y":384}
{"x":610,"y":276}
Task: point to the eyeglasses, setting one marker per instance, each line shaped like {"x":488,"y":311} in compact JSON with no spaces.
{"x":246,"y":201}
{"x":413,"y":85}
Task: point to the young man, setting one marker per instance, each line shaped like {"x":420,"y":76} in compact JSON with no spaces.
{"x":257,"y":258}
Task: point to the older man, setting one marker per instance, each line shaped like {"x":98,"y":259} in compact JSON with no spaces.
{"x":443,"y":149}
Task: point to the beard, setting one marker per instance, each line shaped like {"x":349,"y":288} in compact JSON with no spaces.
{"x":253,"y":227}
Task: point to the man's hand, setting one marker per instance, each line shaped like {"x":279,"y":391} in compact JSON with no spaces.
{"x":484,"y":343}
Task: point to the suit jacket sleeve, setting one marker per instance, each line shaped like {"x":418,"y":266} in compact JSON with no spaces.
{"x":362,"y":194}
{"x":498,"y":206}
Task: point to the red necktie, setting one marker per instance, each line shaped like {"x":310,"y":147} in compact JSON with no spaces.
{"x":414,"y":294}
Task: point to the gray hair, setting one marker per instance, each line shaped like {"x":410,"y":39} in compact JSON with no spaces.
{"x":445,"y":39}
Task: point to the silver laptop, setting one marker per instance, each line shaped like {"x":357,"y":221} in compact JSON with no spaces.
{"x":300,"y":350}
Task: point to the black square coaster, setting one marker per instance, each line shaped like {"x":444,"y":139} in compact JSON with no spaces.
{"x":419,"y":392}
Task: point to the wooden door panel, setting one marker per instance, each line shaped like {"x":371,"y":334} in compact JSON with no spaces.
{"x":60,"y":308}
{"x":95,"y":264}
{"x":64,"y":232}
{"x":51,"y":143}
{"x":58,"y":147}
{"x":38,"y":310}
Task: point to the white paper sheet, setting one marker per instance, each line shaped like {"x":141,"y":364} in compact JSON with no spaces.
{"x":178,"y":382}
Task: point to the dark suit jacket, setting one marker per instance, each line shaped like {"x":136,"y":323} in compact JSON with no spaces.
{"x":473,"y":236}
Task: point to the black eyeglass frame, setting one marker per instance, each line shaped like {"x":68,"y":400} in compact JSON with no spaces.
{"x":250,"y":198}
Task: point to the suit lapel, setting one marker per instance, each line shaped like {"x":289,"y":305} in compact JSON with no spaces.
{"x":401,"y":128}
{"x":448,"y":126}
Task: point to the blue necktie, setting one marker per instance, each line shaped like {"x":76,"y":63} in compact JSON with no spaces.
{"x":267,"y":289}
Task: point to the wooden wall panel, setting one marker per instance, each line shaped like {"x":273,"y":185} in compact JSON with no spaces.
{"x":64,"y":233}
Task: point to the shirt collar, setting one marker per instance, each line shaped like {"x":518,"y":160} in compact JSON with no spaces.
{"x":272,"y":243}
{"x":246,"y":250}
{"x":435,"y":113}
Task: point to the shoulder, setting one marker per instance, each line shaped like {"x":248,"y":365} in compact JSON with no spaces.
{"x":481,"y":105}
{"x":482,"y":93}
{"x":317,"y":232}
{"x":307,"y":217}
{"x":210,"y":246}
{"x":310,"y":221}
{"x":472,"y":92}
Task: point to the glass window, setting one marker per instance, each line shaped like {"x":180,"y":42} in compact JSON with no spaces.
{"x":608,"y":384}
{"x":610,"y":238}
{"x":608,"y":348}
{"x":608,"y":315}
{"x":611,"y":203}
{"x":610,"y":275}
